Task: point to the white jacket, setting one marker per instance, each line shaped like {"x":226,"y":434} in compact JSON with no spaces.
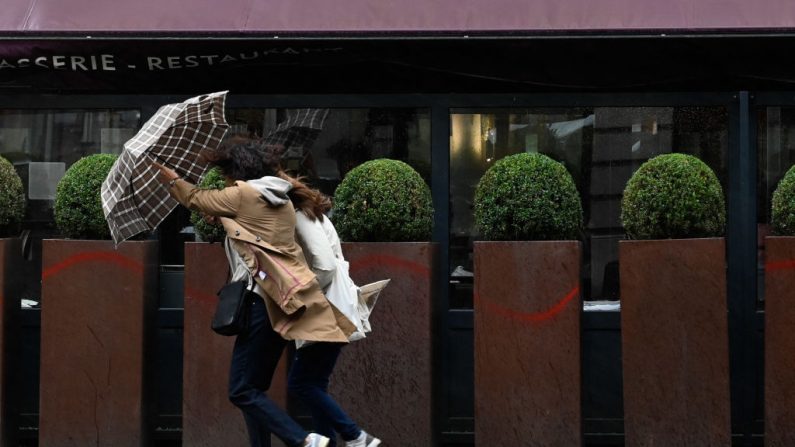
{"x":323,"y":252}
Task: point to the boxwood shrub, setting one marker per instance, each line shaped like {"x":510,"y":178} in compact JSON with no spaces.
{"x":383,"y":200}
{"x":783,"y":207}
{"x":78,"y":205}
{"x":12,"y":198}
{"x":527,"y":196}
{"x":673,"y":196}
{"x":205,"y":231}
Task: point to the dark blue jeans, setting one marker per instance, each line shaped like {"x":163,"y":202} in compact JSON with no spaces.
{"x":309,"y":378}
{"x":254,"y":360}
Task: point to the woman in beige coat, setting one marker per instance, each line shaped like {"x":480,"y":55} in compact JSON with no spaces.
{"x":286,"y":303}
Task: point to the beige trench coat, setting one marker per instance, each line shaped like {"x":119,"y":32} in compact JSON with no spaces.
{"x":264,"y":236}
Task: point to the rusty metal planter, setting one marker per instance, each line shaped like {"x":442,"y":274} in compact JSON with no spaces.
{"x":10,"y":257}
{"x":674,"y":334}
{"x":527,"y":343}
{"x":384,"y":381}
{"x":208,"y":418}
{"x":779,"y":341}
{"x":97,"y":314}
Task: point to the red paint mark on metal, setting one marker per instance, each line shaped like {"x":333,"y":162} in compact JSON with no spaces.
{"x":529,"y":317}
{"x":390,"y":261}
{"x":780,"y":265}
{"x":94,"y":256}
{"x":199,"y":295}
{"x":112,"y":257}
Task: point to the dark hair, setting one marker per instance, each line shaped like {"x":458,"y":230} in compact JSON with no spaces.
{"x":241,"y":158}
{"x":311,"y":201}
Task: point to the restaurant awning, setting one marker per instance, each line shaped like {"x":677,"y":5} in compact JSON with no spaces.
{"x":407,"y":16}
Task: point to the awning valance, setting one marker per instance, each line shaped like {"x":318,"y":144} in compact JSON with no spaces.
{"x":309,"y":66}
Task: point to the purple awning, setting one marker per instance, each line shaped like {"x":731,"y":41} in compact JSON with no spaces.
{"x":312,"y":16}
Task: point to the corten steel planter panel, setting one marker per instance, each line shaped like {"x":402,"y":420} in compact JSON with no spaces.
{"x":208,"y":418}
{"x":527,"y":343}
{"x":779,"y":341}
{"x":98,"y":310}
{"x":384,"y":381}
{"x":10,"y":256}
{"x":675,"y":348}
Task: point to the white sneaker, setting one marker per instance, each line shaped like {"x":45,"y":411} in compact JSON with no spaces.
{"x":316,"y":440}
{"x":364,"y":440}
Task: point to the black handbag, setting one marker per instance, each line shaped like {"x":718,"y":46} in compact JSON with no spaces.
{"x":232,"y":313}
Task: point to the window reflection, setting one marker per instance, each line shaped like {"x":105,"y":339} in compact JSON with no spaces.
{"x":346,"y":138}
{"x":601,"y":147}
{"x":42,"y":144}
{"x":64,"y":135}
{"x":776,"y":142}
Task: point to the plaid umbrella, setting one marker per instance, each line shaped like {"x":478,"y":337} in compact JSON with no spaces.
{"x":133,"y":200}
{"x":300,"y":129}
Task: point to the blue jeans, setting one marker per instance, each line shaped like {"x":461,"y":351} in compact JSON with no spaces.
{"x":309,"y":378}
{"x":254,"y":361}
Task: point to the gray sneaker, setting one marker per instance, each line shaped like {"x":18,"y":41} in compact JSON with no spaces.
{"x":364,"y":440}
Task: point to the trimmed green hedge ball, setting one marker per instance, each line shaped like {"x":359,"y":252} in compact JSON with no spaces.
{"x":383,"y":200}
{"x":527,"y":196}
{"x":673,"y":196}
{"x":78,"y":204}
{"x":12,"y":198}
{"x":209,"y":232}
{"x":783,"y":207}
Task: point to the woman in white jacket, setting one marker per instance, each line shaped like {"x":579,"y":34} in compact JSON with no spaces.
{"x":314,"y":362}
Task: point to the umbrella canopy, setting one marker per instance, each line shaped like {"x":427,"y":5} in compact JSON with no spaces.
{"x":133,"y":200}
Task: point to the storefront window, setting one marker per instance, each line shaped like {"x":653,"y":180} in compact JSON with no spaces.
{"x":42,"y":144}
{"x":601,"y":147}
{"x":776,"y":142}
{"x":340,"y":139}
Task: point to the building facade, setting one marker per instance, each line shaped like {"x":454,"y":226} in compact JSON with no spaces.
{"x":449,"y":87}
